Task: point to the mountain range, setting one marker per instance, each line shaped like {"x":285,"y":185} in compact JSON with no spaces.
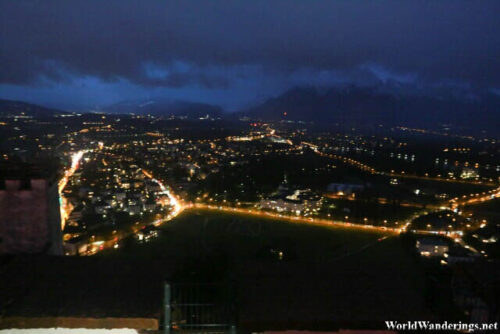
{"x":353,"y":105}
{"x":164,"y":107}
{"x":17,"y":108}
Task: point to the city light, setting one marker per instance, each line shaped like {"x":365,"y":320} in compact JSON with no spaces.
{"x":64,"y":204}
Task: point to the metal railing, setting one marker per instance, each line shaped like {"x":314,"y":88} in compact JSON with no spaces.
{"x":199,"y":308}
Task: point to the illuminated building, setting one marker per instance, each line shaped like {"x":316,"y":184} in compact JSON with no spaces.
{"x":469,"y":173}
{"x":294,"y":201}
{"x":432,"y":247}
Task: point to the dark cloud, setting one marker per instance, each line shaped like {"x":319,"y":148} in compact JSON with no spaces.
{"x":220,"y":42}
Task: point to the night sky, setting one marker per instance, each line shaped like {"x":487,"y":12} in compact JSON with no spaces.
{"x":84,"y":54}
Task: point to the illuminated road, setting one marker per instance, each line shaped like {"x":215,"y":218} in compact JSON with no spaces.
{"x":65,"y":206}
{"x":323,"y":222}
{"x":177,"y":203}
{"x":179,"y":206}
{"x":75,"y":161}
{"x":372,"y":170}
{"x":296,"y":219}
{"x":477,"y":198}
{"x":438,"y":179}
{"x":369,"y":169}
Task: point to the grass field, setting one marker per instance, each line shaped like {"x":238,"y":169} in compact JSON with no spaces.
{"x":318,"y":277}
{"x":197,"y":233}
{"x":325,"y":278}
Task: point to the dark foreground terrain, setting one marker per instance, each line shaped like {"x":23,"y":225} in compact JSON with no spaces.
{"x":284,"y":275}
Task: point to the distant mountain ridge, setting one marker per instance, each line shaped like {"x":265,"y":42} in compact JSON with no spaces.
{"x":17,"y":108}
{"x":160,"y":107}
{"x":355,"y":104}
{"x":349,"y":105}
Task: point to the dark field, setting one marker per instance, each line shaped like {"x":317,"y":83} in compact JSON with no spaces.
{"x":325,"y":278}
{"x":198,"y":233}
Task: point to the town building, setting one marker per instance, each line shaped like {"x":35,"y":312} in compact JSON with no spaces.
{"x":295,"y":201}
{"x":432,"y":247}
